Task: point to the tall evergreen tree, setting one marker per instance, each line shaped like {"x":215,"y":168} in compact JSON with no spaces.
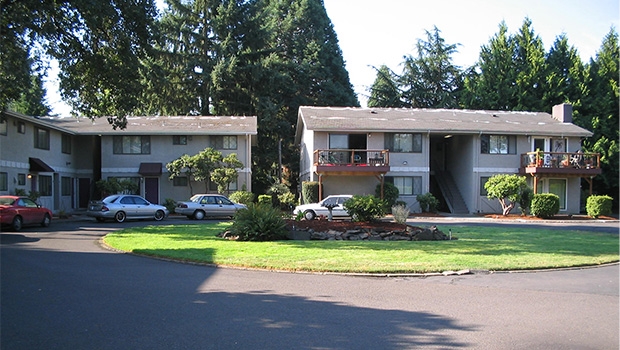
{"x":385,"y":91}
{"x":600,"y":114}
{"x":32,"y":101}
{"x":431,"y":80}
{"x":491,"y":84}
{"x":529,"y":61}
{"x":565,"y":75}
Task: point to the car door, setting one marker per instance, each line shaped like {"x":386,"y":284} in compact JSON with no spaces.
{"x":28,"y":210}
{"x":225,"y":206}
{"x":128,"y":206}
{"x":143,"y":207}
{"x":339,"y":210}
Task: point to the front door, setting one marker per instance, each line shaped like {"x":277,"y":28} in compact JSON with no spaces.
{"x":151,"y":189}
{"x":83,"y":192}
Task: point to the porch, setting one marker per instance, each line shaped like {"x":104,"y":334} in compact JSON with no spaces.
{"x":560,"y":164}
{"x":351,"y":162}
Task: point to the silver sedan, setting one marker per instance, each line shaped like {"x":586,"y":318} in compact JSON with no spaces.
{"x":120,"y":207}
{"x":202,"y":205}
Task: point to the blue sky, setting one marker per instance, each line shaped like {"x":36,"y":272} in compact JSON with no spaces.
{"x":376,"y":32}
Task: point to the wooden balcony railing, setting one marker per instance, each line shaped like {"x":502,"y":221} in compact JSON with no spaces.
{"x":575,"y":160}
{"x":352,"y":160}
{"x":569,"y":163}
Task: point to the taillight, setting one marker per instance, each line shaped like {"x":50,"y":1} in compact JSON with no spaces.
{"x":104,"y":208}
{"x":182,"y":205}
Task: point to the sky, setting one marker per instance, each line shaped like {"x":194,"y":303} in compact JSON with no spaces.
{"x":372,"y":33}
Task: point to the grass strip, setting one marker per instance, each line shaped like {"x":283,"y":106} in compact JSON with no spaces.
{"x":485,"y":248}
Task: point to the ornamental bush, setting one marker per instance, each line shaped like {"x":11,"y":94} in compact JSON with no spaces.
{"x":428,"y":202}
{"x":259,"y":222}
{"x":365,"y":208}
{"x":545,"y":205}
{"x":390,"y":193}
{"x":243,"y":197}
{"x":265,"y":199}
{"x":598,"y":205}
{"x":401,"y":213}
{"x":310,"y":192}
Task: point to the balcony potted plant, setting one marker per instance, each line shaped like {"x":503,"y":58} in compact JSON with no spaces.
{"x":539,"y":157}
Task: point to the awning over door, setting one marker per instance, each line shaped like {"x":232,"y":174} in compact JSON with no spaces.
{"x":150,"y":169}
{"x":39,"y":166}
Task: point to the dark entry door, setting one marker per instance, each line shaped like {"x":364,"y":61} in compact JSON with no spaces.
{"x":83,"y":192}
{"x":151,"y":189}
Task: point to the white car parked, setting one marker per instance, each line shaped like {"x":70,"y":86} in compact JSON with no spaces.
{"x":213,"y":205}
{"x":313,"y":210}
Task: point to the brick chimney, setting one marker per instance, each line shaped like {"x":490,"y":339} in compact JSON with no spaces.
{"x":563,"y":112}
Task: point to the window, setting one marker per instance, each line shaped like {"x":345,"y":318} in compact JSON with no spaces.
{"x":224,"y":142}
{"x":66,"y":144}
{"x":404,"y":143}
{"x":129,"y":185}
{"x":3,"y":126}
{"x":338,"y":141}
{"x":558,"y":187}
{"x":132,"y":145}
{"x":21,"y":179}
{"x":180,"y":181}
{"x":21,"y":127}
{"x":498,"y":144}
{"x":65,"y":186}
{"x":45,"y":185}
{"x":407,"y":185}
{"x":483,"y":181}
{"x":41,"y":138}
{"x":179,"y":140}
{"x":4,"y":181}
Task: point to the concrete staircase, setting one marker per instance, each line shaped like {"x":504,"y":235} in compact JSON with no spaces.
{"x":451,"y":193}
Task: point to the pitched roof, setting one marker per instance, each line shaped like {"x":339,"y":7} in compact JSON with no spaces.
{"x":453,"y":121}
{"x":171,"y":125}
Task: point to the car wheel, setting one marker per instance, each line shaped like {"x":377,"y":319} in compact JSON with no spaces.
{"x":120,"y":216}
{"x":100,"y":219}
{"x":17,"y":223}
{"x":159,"y":215}
{"x":199,"y":215}
{"x":46,"y":220}
{"x":309,"y":215}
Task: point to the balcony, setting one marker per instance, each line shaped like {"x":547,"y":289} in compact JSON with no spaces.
{"x":546,"y":164}
{"x":351,"y":161}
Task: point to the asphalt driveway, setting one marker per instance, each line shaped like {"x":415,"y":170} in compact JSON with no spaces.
{"x":61,"y":290}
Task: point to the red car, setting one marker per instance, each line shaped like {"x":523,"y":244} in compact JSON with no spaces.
{"x":16,"y":212}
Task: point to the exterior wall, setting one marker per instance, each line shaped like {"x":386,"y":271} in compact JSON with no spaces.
{"x":15,"y":150}
{"x":163,"y":151}
{"x":355,"y":185}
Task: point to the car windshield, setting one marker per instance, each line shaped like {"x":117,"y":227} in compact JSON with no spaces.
{"x":7,"y":201}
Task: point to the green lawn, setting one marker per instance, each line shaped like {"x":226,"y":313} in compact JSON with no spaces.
{"x":496,"y":248}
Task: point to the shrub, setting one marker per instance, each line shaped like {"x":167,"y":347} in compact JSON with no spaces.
{"x":525,"y":201}
{"x":598,"y":205}
{"x":259,"y":222}
{"x":170,"y":204}
{"x":545,"y":205}
{"x":287,"y":201}
{"x":265,"y":199}
{"x":310,"y":192}
{"x":390,"y":193}
{"x":507,"y":189}
{"x":20,"y":192}
{"x":428,"y":202}
{"x":365,"y":208}
{"x":401,"y":213}
{"x":243,"y":197}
